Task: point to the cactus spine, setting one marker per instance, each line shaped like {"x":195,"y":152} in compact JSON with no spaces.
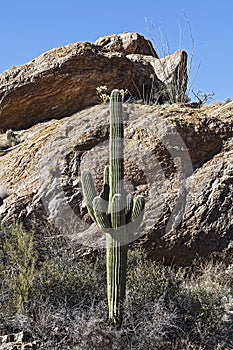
{"x":114,"y":211}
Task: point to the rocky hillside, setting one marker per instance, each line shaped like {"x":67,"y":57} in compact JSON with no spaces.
{"x":179,"y":157}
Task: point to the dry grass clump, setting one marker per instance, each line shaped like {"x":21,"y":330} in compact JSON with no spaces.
{"x":66,"y":305}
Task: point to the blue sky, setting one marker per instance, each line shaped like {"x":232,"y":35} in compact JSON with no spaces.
{"x":29,"y":28}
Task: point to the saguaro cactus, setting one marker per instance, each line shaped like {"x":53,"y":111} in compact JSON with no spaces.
{"x":114,"y":211}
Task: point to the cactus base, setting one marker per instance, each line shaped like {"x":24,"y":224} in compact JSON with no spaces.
{"x":116,"y":261}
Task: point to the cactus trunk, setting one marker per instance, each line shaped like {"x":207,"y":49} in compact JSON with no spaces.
{"x":116,"y":146}
{"x":116,"y":242}
{"x":117,"y":214}
{"x":116,"y":260}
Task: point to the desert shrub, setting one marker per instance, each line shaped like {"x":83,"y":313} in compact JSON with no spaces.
{"x":17,"y":263}
{"x":165,"y":308}
{"x":209,"y":290}
{"x":70,"y":283}
{"x":203,"y":97}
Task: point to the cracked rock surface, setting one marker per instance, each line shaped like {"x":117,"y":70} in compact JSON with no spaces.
{"x":180,"y":158}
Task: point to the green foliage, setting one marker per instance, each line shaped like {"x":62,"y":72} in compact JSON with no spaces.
{"x":164,"y":308}
{"x":18,"y":259}
{"x":69,"y":283}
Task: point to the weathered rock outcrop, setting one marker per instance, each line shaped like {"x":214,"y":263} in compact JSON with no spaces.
{"x":180,"y":158}
{"x":63,"y":81}
{"x":127,"y":43}
{"x":171,"y":70}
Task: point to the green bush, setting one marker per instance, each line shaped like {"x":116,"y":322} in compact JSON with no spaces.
{"x":66,"y":306}
{"x":70,"y":283}
{"x":17,"y":263}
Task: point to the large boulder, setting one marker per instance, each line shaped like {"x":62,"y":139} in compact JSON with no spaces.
{"x":63,"y":81}
{"x":207,"y":225}
{"x":127,"y":43}
{"x":179,"y":158}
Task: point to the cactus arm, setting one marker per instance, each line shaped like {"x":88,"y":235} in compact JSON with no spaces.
{"x":137,"y":214}
{"x":117,"y":212}
{"x":106,"y":189}
{"x":134,"y":212}
{"x":138,"y":208}
{"x":106,"y":175}
{"x":89,"y":191}
{"x":129,"y":207}
{"x":101,"y":216}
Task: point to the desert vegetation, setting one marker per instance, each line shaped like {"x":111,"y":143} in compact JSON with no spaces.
{"x":58,"y":297}
{"x":61,"y":295}
{"x":54,"y":291}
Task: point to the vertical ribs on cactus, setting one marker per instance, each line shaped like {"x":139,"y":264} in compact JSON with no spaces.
{"x":115,"y":212}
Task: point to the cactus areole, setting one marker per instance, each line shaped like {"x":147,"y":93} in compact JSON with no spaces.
{"x":114,"y":211}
